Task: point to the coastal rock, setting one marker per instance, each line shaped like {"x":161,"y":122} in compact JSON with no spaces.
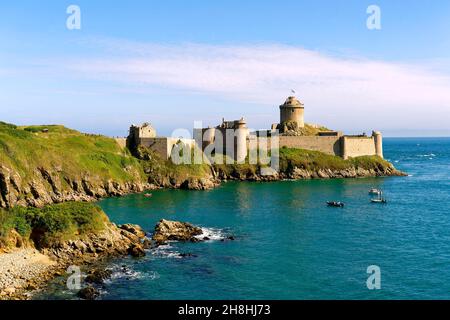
{"x":98,"y":276}
{"x":15,"y":240}
{"x":199,"y":184}
{"x":9,"y":291}
{"x":174,"y":230}
{"x":147,"y":244}
{"x":136,"y":250}
{"x":88,"y":293}
{"x":134,"y":229}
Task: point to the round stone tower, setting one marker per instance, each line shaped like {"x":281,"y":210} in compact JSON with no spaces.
{"x":378,"y":139}
{"x":292,"y":111}
{"x":241,"y":134}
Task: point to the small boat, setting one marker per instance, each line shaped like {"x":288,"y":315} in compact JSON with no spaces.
{"x":148,"y":195}
{"x":380,"y":199}
{"x":375,"y":191}
{"x":337,"y":204}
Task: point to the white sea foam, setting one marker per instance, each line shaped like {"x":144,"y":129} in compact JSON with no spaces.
{"x":128,"y":273}
{"x":212,"y":234}
{"x":426,"y":155}
{"x":124,"y":271}
{"x":165,"y":251}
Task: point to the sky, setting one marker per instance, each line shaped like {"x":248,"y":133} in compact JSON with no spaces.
{"x":174,"y":62}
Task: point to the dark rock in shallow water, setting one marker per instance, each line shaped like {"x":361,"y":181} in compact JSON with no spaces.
{"x":98,"y":276}
{"x":136,"y":250}
{"x":229,"y":238}
{"x":173,"y":230}
{"x":185,"y":255}
{"x":88,"y":293}
{"x":147,"y":244}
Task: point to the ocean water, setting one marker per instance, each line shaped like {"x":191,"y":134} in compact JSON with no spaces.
{"x":290,"y":245}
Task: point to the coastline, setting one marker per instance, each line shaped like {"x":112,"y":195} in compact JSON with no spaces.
{"x":100,"y":168}
{"x":24,"y":271}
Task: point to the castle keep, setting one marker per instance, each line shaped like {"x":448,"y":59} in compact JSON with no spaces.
{"x":292,"y":112}
{"x":234,"y":139}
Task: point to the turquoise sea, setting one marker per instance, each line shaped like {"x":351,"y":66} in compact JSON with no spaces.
{"x":290,"y":245}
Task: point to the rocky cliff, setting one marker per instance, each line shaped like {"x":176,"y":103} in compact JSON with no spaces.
{"x":296,"y":173}
{"x":45,"y":187}
{"x":41,"y":165}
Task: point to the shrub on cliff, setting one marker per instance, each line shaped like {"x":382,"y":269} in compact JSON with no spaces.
{"x":52,"y":224}
{"x":10,"y":221}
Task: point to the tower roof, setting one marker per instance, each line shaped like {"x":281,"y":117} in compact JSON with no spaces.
{"x":292,"y":102}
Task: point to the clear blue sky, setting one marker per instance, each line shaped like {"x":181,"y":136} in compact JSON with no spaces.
{"x":126,"y":64}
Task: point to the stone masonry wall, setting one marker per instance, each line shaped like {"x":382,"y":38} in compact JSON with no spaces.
{"x":328,"y":144}
{"x":358,"y":146}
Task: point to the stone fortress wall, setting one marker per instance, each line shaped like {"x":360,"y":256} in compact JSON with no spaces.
{"x":329,"y":142}
{"x":238,"y":135}
{"x":339,"y":145}
{"x":145,"y":135}
{"x":164,"y":145}
{"x":329,"y":145}
{"x":234,"y":133}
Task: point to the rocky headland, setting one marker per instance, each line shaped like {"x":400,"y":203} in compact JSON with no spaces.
{"x":44,"y":168}
{"x":31,"y":255}
{"x":52,"y":164}
{"x":26,"y":267}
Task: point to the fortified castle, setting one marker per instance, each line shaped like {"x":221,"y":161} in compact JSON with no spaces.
{"x":235,"y":139}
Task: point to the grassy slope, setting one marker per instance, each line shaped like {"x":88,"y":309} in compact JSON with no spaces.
{"x":314,"y":160}
{"x":157,"y":167}
{"x":309,"y":160}
{"x":24,"y":149}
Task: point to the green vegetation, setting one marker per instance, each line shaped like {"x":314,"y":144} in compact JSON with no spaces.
{"x":157,"y":167}
{"x":70,"y":153}
{"x":225,"y":165}
{"x":307,"y":130}
{"x":52,"y":224}
{"x":291,"y":158}
{"x":315,"y":160}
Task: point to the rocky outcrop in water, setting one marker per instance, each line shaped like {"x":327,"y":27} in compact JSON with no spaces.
{"x":199,"y":184}
{"x":167,"y":230}
{"x":352,"y":172}
{"x":168,"y":182}
{"x":88,"y":293}
{"x":98,"y":276}
{"x":112,"y":241}
{"x":93,"y":248}
{"x":301,"y":174}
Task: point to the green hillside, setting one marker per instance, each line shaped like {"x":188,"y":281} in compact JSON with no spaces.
{"x":68,"y":152}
